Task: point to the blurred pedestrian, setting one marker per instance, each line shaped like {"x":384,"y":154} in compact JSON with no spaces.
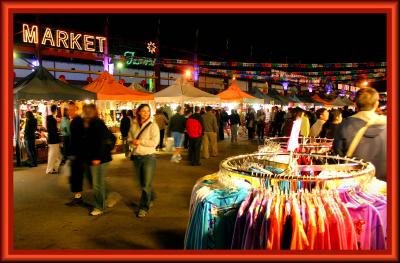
{"x":124,"y":128}
{"x":210,"y":134}
{"x":363,"y":135}
{"x":144,"y":136}
{"x":65,"y":134}
{"x":176,"y":129}
{"x":194,"y":128}
{"x":260,"y":120}
{"x":54,"y":155}
{"x":250,"y":123}
{"x":29,"y":139}
{"x":162,"y":123}
{"x":224,"y":119}
{"x":322,"y":117}
{"x":76,"y":155}
{"x":329,"y":128}
{"x":234,"y":121}
{"x":100,"y":143}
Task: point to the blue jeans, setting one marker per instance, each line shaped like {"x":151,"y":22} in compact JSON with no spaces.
{"x":99,"y":185}
{"x":145,"y":167}
{"x":31,"y":150}
{"x":179,"y":138}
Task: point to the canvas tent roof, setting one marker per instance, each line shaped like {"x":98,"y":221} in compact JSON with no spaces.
{"x":138,"y":87}
{"x":235,"y":94}
{"x":339,"y":102}
{"x":267,"y":99}
{"x":319,"y":99}
{"x":183,"y":91}
{"x":107,"y":88}
{"x":282,"y":100}
{"x":42,"y":85}
{"x":347,"y":101}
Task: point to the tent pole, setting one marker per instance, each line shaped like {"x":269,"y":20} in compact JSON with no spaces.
{"x":16,"y":132}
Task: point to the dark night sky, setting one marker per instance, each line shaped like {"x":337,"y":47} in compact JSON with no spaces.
{"x":305,"y":38}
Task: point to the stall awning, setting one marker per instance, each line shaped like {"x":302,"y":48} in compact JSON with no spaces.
{"x":320,"y":100}
{"x":42,"y":85}
{"x":107,"y":88}
{"x":184,"y":92}
{"x":235,"y":94}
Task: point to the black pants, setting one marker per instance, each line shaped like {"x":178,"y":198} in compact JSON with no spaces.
{"x":221,"y":131}
{"x":186,"y":141}
{"x":78,"y":168}
{"x":260,"y":130}
{"x":162,"y":132}
{"x":250,"y":132}
{"x":65,"y":147}
{"x":194,"y":150}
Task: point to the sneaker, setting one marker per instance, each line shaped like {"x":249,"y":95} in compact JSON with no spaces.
{"x":179,"y":157}
{"x":174,"y":159}
{"x":75,"y":202}
{"x":142,"y":213}
{"x":96,"y":212}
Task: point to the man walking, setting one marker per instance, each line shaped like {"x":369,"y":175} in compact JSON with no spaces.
{"x":124,"y":128}
{"x":54,"y":155}
{"x":363,"y":135}
{"x":76,"y":155}
{"x":210,"y":133}
{"x":260,"y":119}
{"x":194,"y":127}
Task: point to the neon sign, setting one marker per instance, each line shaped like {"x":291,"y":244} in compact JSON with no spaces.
{"x":63,"y":39}
{"x":131,"y":60}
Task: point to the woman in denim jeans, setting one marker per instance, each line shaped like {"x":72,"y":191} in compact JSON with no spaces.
{"x":98,"y":155}
{"x":144,"y":136}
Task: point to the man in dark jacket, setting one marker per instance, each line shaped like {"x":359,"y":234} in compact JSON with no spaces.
{"x":372,"y":146}
{"x":76,"y":155}
{"x":29,"y":137}
{"x":124,"y":128}
{"x":53,"y":140}
{"x":194,"y":127}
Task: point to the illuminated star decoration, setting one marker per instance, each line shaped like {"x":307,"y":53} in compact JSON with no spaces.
{"x":151,"y":47}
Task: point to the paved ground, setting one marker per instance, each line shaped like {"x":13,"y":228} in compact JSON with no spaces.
{"x":42,"y":221}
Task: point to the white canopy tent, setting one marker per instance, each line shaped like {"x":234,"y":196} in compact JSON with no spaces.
{"x":138,"y":87}
{"x":184,"y":92}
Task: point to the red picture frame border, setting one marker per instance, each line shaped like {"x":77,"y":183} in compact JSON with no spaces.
{"x":9,"y":8}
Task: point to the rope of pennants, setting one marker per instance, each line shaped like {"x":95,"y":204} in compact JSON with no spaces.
{"x":376,"y":74}
{"x":277,"y":65}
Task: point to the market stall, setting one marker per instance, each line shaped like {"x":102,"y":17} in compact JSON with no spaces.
{"x":181,"y":91}
{"x":37,"y":92}
{"x":112,"y":97}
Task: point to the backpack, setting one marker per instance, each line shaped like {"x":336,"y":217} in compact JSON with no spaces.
{"x":194,"y":128}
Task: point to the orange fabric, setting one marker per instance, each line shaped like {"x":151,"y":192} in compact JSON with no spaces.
{"x":234,"y":93}
{"x":107,"y":88}
{"x":312,"y":223}
{"x":299,"y":237}
{"x":273,"y":241}
{"x":319,"y":99}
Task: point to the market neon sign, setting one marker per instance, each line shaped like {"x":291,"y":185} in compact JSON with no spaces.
{"x":63,"y":39}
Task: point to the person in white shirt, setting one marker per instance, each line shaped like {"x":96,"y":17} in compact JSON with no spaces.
{"x":322,"y":117}
{"x":144,"y":136}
